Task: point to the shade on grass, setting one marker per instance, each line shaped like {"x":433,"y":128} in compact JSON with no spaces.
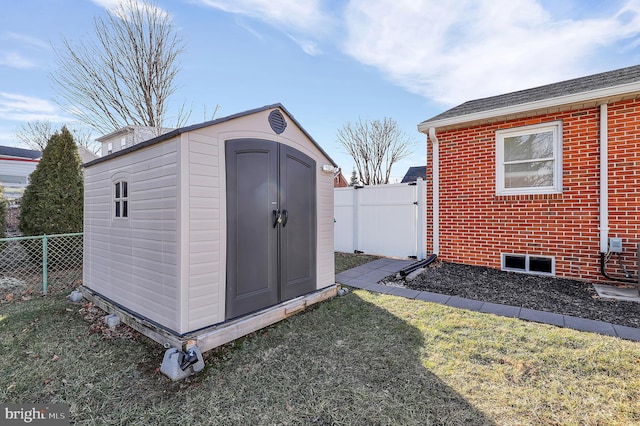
{"x":360,"y":359}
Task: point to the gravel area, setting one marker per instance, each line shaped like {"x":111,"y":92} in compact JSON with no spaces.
{"x":563,"y":296}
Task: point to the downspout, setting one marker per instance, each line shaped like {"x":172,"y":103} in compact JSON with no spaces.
{"x":604,"y":199}
{"x":435,"y":167}
{"x":604,"y":179}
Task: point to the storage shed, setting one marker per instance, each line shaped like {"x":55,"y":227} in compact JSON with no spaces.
{"x":211,"y":231}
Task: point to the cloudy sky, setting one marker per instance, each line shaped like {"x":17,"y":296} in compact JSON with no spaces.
{"x":332,"y":62}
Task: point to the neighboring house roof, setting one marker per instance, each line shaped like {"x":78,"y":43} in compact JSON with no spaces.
{"x":86,"y":155}
{"x":181,"y":130}
{"x":20,"y":153}
{"x":414,"y":173}
{"x":610,"y":86}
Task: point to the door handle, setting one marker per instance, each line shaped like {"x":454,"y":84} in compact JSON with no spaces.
{"x":277,"y":218}
{"x":286,"y":217}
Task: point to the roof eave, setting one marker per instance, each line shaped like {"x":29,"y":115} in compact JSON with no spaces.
{"x":603,"y":95}
{"x":177,"y":132}
{"x":123,"y":130}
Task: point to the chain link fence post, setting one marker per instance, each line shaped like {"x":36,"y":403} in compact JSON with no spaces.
{"x":26,"y":267}
{"x":44,"y":264}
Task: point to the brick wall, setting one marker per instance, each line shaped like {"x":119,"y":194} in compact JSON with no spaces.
{"x":476,"y":225}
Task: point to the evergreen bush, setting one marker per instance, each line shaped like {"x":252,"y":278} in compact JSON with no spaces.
{"x":53,"y":201}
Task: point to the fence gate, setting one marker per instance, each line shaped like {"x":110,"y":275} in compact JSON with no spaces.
{"x":386,"y":220}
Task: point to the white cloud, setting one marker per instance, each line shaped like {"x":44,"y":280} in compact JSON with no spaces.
{"x":107,"y":4}
{"x":309,"y":47}
{"x":28,"y":40}
{"x":303,"y":20}
{"x":457,"y":50}
{"x":18,"y":107}
{"x":113,"y":6}
{"x":15,"y":60}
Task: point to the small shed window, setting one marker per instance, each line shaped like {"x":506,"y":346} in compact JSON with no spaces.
{"x":529,"y":159}
{"x":121,"y":199}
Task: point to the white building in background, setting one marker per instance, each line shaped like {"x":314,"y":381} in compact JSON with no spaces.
{"x":16,"y":164}
{"x":127,"y":137}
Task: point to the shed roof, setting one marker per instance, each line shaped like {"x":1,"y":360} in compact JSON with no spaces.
{"x":172,"y":134}
{"x":11,"y":151}
{"x":608,"y":86}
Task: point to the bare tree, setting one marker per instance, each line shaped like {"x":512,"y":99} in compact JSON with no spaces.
{"x":375,"y":147}
{"x":35,"y":135}
{"x":126,"y":75}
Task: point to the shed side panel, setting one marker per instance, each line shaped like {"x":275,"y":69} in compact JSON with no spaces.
{"x":206,"y":278}
{"x":133,"y":261}
{"x":326,"y":263}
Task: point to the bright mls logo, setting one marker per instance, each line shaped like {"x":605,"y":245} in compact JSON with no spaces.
{"x":37,"y":414}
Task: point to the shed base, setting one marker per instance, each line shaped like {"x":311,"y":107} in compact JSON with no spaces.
{"x":216,"y":335}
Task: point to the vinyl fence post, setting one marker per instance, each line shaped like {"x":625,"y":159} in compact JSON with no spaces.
{"x":421,"y":188}
{"x":356,"y":218}
{"x":44,"y":264}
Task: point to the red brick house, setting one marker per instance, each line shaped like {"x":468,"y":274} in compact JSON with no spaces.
{"x":339,"y":181}
{"x":544,"y":180}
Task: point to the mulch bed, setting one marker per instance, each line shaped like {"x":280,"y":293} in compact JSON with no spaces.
{"x":562,"y":296}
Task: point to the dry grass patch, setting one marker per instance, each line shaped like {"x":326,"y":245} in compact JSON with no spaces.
{"x":346,"y":261}
{"x":519,"y":372}
{"x":363,"y":359}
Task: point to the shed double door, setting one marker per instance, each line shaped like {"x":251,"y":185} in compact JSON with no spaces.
{"x":271,"y":224}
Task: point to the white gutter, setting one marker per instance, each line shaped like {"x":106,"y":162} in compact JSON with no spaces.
{"x":435,"y":166}
{"x":604,"y":179}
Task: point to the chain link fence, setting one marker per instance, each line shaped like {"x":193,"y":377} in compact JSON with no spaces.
{"x":40,"y":264}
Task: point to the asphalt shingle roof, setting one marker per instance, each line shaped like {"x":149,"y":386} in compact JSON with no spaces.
{"x":10,"y":151}
{"x":414,"y":173}
{"x":568,"y":87}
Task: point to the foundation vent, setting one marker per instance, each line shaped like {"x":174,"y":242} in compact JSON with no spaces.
{"x":529,"y":264}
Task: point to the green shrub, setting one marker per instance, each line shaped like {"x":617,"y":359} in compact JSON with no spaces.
{"x":53,"y":201}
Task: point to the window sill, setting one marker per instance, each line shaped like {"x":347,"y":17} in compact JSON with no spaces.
{"x":521,"y":197}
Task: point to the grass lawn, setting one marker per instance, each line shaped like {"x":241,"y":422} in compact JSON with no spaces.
{"x":363,"y":359}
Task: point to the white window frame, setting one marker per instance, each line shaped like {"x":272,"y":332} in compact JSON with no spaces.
{"x":556,"y":128}
{"x":526,"y":269}
{"x":122,"y":199}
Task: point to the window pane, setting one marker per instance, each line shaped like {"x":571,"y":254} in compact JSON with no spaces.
{"x":525,"y":175}
{"x":124,"y":190}
{"x":125,"y":212}
{"x":118,"y":190}
{"x":117,"y":208}
{"x":528,"y":147}
{"x":540,"y":264}
{"x":515,"y":262}
{"x":6,"y":179}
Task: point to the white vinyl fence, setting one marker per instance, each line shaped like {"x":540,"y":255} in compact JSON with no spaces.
{"x":385,"y":220}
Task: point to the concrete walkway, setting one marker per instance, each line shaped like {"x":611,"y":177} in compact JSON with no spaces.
{"x":368,"y":275}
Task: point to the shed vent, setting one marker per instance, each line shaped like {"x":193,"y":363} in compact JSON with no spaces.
{"x":277,"y":122}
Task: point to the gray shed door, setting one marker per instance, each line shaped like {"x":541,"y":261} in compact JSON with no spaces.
{"x":271,"y":224}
